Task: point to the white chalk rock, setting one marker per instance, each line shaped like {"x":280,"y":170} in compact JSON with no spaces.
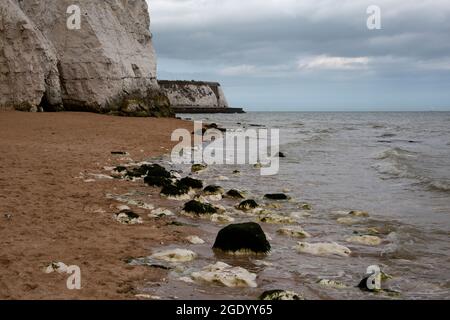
{"x":56,"y":267}
{"x":223,"y":178}
{"x":358,"y":213}
{"x":300,"y":214}
{"x":175,"y":255}
{"x":226,"y":275}
{"x":128,"y":217}
{"x":123,"y":207}
{"x":347,"y":221}
{"x":320,"y":249}
{"x":295,"y":232}
{"x":365,"y":240}
{"x":195,"y":240}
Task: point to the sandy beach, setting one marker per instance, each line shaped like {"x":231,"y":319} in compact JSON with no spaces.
{"x":49,"y":213}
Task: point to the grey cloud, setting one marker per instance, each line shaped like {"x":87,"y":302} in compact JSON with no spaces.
{"x":261,"y":43}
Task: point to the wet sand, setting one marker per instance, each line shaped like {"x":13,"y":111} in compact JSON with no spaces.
{"x":48,"y":213}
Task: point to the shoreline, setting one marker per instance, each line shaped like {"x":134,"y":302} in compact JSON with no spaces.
{"x":49,"y":212}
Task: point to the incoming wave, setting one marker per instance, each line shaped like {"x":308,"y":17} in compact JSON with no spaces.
{"x":400,"y":163}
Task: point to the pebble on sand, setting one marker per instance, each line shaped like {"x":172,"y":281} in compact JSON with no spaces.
{"x":59,"y":267}
{"x":128,"y":217}
{"x":226,"y":275}
{"x":323,"y":249}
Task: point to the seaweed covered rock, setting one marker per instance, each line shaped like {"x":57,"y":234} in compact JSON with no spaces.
{"x":244,"y":238}
{"x":331,"y":284}
{"x":305,"y":206}
{"x":154,"y":170}
{"x":279,"y":295}
{"x":155,"y":181}
{"x":197,"y":168}
{"x":175,"y":192}
{"x":213,"y":190}
{"x":198,"y":208}
{"x":190,"y":183}
{"x":235,"y":194}
{"x":277,"y":196}
{"x":247,"y":205}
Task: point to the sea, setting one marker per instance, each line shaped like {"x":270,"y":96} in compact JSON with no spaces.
{"x":395,"y":166}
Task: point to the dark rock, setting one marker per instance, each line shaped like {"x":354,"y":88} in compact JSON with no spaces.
{"x":235,"y":194}
{"x":212,"y":190}
{"x":130,"y":214}
{"x":363,"y":285}
{"x":155,"y":181}
{"x":277,"y":196}
{"x":173,"y":190}
{"x":190,"y":183}
{"x":119,"y":153}
{"x":120,"y":169}
{"x":198,"y":208}
{"x":154,"y":170}
{"x":247,"y":205}
{"x":242,"y":237}
{"x":281,"y":155}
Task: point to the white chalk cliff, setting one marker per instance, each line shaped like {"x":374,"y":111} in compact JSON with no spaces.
{"x":107,"y":65}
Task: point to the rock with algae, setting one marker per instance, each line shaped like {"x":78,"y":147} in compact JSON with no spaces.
{"x":280,"y":295}
{"x":225,"y":275}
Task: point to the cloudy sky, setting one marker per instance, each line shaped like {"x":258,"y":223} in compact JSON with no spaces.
{"x":309,"y":54}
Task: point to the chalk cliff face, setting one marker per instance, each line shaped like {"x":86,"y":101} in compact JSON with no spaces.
{"x":107,"y":65}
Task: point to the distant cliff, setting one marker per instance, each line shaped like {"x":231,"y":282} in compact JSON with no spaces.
{"x":196,"y":96}
{"x":107,"y":65}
